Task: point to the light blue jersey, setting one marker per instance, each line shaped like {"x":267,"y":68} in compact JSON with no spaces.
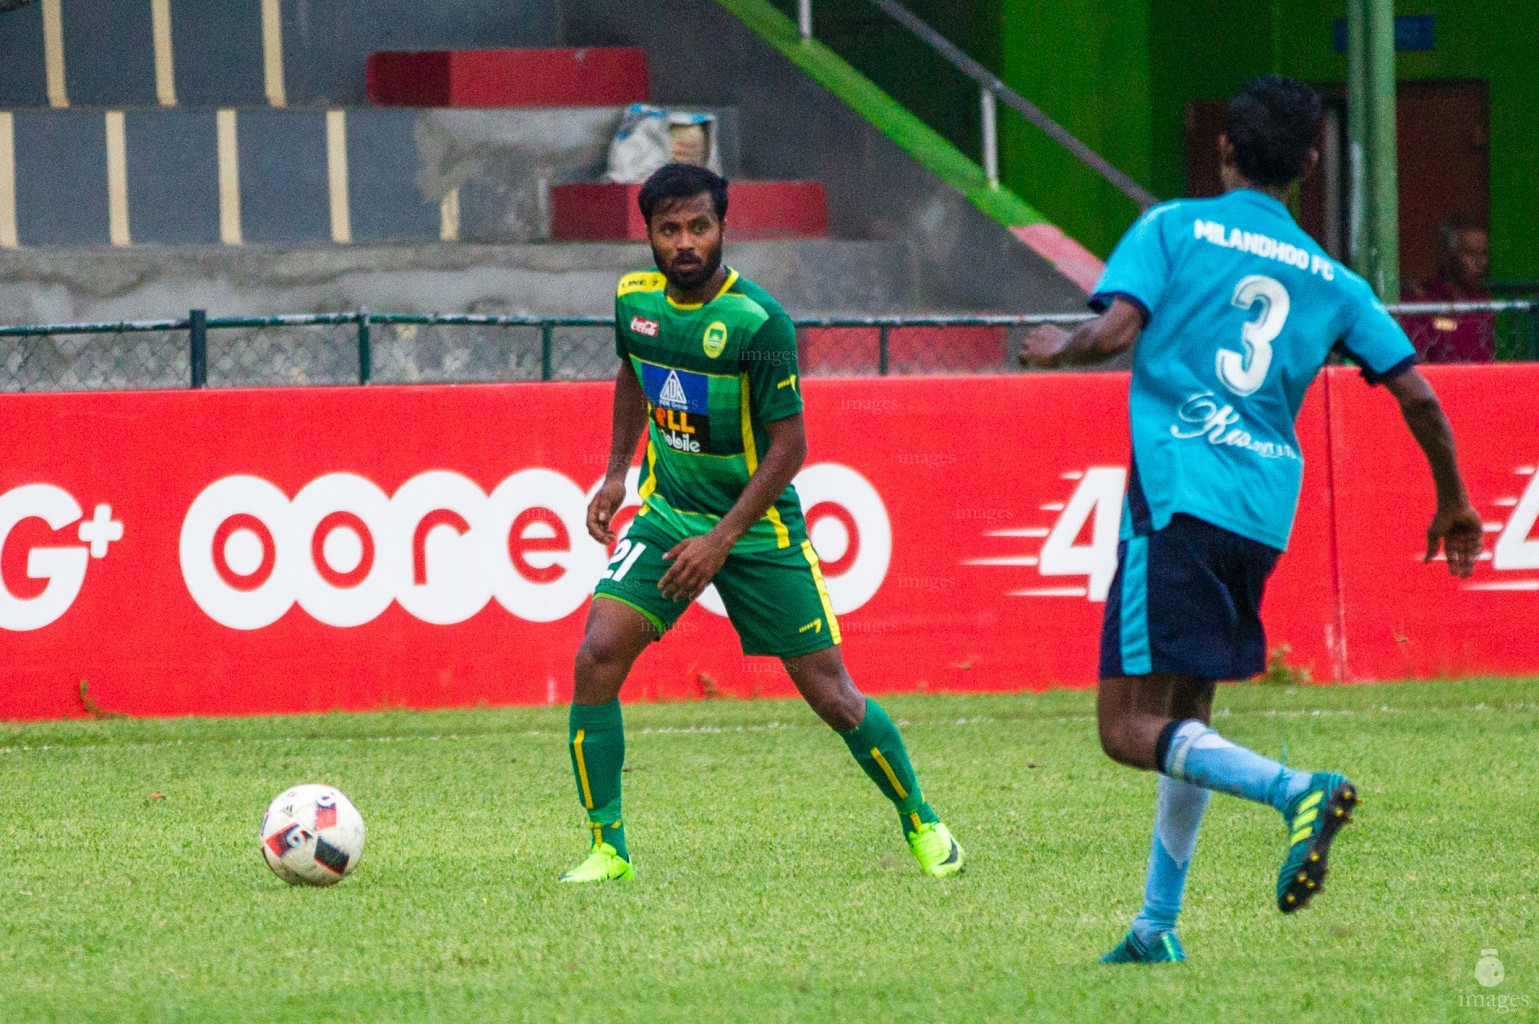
{"x":1241,"y":310}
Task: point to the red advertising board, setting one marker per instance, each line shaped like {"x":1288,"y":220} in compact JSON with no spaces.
{"x":1403,"y":619}
{"x":236,"y":552}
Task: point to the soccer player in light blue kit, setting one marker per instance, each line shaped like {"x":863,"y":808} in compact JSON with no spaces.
{"x":1234,"y":310}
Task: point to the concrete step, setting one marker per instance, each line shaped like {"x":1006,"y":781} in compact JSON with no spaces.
{"x":816,"y":277}
{"x":218,"y":53}
{"x":304,"y":176}
{"x":756,"y":210}
{"x":547,"y":77}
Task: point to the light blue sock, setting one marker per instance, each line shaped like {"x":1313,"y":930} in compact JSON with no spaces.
{"x":1202,"y":757}
{"x":1176,"y":821}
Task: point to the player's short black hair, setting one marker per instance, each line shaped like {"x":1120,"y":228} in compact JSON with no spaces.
{"x":1272,"y":124}
{"x":682,"y":181}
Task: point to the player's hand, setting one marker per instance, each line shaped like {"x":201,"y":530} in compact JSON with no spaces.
{"x":1044,"y":346}
{"x":1457,"y":530}
{"x":696,"y":561}
{"x":602,"y":509}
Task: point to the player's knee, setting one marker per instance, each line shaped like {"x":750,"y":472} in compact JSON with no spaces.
{"x":1118,"y":742}
{"x":833,"y":696}
{"x":842,"y":708}
{"x":598,"y":656}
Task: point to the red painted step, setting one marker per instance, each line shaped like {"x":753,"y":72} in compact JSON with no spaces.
{"x":756,"y":210}
{"x":587,"y":77}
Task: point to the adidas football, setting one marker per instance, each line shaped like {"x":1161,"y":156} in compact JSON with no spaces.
{"x":312,"y":835}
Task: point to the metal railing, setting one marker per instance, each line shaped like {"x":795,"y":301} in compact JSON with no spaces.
{"x":364,"y":347}
{"x":992,"y":91}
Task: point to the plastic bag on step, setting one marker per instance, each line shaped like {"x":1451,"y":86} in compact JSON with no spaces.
{"x":649,"y":137}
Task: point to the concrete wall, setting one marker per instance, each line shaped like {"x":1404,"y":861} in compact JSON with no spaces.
{"x":146,"y":282}
{"x":150,"y":282}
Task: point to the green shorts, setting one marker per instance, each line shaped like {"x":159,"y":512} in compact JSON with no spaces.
{"x":776,"y":599}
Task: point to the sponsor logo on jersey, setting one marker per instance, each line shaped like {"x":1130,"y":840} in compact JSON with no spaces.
{"x":715,"y":339}
{"x":675,"y":388}
{"x":680,"y":406}
{"x":672,"y":395}
{"x":679,"y":430}
{"x":641,"y":325}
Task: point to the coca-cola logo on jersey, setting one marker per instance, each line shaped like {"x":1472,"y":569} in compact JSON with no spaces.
{"x":443,"y":548}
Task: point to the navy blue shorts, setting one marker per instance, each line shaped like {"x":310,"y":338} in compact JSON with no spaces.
{"x":1186,"y":601}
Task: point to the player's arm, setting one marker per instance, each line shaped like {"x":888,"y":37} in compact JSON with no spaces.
{"x":1456,"y":525}
{"x":630,"y":419}
{"x":696,"y":560}
{"x":1094,"y":341}
{"x":1129,"y":291}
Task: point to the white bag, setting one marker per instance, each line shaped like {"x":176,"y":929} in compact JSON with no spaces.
{"x":650,"y":137}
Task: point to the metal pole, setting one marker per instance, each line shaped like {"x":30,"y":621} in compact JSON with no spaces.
{"x":197,"y":345}
{"x":804,"y":17}
{"x":1382,"y":147}
{"x":990,"y":136}
{"x":365,"y":348}
{"x":1359,"y":241}
{"x":1015,"y":101}
{"x":546,"y":345}
{"x":881,"y":350}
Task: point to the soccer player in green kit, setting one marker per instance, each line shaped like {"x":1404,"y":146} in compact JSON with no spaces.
{"x":708,"y":370}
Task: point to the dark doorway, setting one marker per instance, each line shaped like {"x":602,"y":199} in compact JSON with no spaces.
{"x":1444,"y":137}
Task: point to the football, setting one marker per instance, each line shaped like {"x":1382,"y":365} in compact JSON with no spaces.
{"x":312,"y":835}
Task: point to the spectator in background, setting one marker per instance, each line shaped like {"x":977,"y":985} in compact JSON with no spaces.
{"x":1463,"y":259}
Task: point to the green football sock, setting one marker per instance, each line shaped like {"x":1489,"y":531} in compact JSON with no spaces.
{"x":879,"y":750}
{"x":596,"y":741}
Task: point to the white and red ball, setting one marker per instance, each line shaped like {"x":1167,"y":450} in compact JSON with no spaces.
{"x":312,"y":835}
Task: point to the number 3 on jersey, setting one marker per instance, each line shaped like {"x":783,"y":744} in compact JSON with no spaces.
{"x":1244,"y":373}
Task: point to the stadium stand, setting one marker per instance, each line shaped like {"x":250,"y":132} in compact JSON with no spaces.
{"x":273,"y":156}
{"x":240,"y":122}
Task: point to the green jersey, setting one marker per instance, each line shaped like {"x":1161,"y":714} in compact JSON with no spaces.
{"x":714,"y":374}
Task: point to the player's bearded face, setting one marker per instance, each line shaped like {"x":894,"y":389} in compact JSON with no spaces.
{"x":686,"y":238}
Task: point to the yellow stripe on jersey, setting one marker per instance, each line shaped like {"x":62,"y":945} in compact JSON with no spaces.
{"x":817,"y":577}
{"x":650,"y":483}
{"x":645,"y":281}
{"x":732,"y":277}
{"x":751,"y":454}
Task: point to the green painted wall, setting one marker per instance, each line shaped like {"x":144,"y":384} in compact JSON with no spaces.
{"x":1493,"y":40}
{"x":1119,"y":73}
{"x":1206,"y":49}
{"x":908,"y":70}
{"x":1086,"y":65}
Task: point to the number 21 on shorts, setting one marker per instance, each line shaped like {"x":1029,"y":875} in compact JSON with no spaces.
{"x":625,"y":556}
{"x":1244,"y":374}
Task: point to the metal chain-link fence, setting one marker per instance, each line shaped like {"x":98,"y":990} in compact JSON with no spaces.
{"x":409,"y":348}
{"x":94,"y":357}
{"x":1472,"y":332}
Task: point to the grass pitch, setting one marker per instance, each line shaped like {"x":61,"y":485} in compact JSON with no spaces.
{"x":772,"y":884}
